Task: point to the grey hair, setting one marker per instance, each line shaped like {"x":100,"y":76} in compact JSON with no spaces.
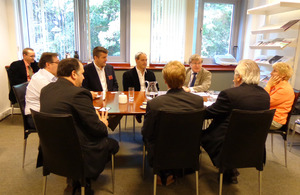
{"x":195,"y":57}
{"x":249,"y":71}
{"x":138,"y":54}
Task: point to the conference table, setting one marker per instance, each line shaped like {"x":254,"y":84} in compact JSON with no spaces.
{"x":111,"y":102}
{"x":130,"y":108}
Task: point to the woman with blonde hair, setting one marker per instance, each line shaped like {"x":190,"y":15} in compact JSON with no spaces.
{"x":281,"y":93}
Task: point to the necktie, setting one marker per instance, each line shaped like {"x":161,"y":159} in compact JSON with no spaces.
{"x":193,"y":81}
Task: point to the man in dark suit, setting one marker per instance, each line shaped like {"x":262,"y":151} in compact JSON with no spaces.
{"x":21,"y":71}
{"x":246,"y":95}
{"x":99,"y":76}
{"x":175,"y":100}
{"x":137,"y":76}
{"x":65,"y":96}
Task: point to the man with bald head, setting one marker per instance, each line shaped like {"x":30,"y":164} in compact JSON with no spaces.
{"x":21,"y":71}
{"x":66,"y":96}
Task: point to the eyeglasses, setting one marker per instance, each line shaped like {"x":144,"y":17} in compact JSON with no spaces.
{"x":55,"y":62}
{"x":199,"y":64}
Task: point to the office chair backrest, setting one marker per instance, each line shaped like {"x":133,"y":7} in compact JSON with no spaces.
{"x":178,"y":140}
{"x":60,"y":145}
{"x":20,"y":91}
{"x":244,"y":144}
{"x":296,"y":92}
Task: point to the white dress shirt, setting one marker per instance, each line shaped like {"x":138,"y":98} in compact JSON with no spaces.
{"x":39,"y":80}
{"x":102,"y":77}
{"x":141,"y":79}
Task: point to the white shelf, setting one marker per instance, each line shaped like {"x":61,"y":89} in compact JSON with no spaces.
{"x":269,"y":47}
{"x":275,"y":8}
{"x":263,"y":64}
{"x":275,"y":45}
{"x":274,"y":29}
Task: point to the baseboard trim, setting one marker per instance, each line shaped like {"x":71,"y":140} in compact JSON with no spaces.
{"x":7,"y":112}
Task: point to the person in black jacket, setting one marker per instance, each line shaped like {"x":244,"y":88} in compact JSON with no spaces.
{"x":175,"y":100}
{"x":137,"y":76}
{"x":246,"y":95}
{"x":21,"y":71}
{"x":66,"y":96}
{"x":99,"y":76}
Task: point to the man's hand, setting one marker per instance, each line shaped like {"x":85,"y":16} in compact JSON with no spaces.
{"x":103,"y":116}
{"x":186,"y":89}
{"x":94,"y":94}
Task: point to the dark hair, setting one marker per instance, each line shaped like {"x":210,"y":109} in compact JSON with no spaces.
{"x":46,"y":57}
{"x":98,"y":50}
{"x":25,"y":51}
{"x":66,"y":66}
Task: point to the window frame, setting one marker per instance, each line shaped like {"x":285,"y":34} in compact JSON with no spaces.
{"x":235,"y":44}
{"x":81,"y":38}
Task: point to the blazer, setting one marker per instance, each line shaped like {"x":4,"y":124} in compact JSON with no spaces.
{"x":203,"y":80}
{"x":92,"y":82}
{"x":62,"y":97}
{"x":175,"y":100}
{"x":131,"y":79}
{"x":244,"y":97}
{"x":17,"y":74}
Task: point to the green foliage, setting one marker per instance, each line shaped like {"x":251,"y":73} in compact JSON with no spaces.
{"x":216,"y":29}
{"x":103,"y":20}
{"x":51,"y":26}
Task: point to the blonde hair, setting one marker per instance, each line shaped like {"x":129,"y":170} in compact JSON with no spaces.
{"x":195,"y":57}
{"x":284,"y":70}
{"x":249,"y":71}
{"x":174,"y":74}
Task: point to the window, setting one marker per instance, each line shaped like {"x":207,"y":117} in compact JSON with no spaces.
{"x":215,"y":29}
{"x":66,"y":26}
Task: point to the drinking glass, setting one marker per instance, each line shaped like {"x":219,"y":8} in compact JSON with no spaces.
{"x":131,"y":94}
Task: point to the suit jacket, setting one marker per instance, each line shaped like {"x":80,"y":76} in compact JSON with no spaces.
{"x":175,"y":100}
{"x":131,"y":79}
{"x":92,"y":82}
{"x":202,"y":82}
{"x":244,"y":97}
{"x":62,"y":97}
{"x":17,"y":74}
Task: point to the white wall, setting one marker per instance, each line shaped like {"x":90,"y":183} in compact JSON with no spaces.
{"x":8,"y":51}
{"x":140,"y":28}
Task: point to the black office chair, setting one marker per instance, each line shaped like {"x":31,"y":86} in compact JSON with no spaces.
{"x":62,"y":154}
{"x":10,"y":89}
{"x":20,"y":91}
{"x":284,"y":130}
{"x":178,"y":143}
{"x":244,"y":144}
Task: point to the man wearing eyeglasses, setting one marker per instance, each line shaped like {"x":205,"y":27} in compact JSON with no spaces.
{"x":21,"y":71}
{"x":46,"y":74}
{"x":197,"y":78}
